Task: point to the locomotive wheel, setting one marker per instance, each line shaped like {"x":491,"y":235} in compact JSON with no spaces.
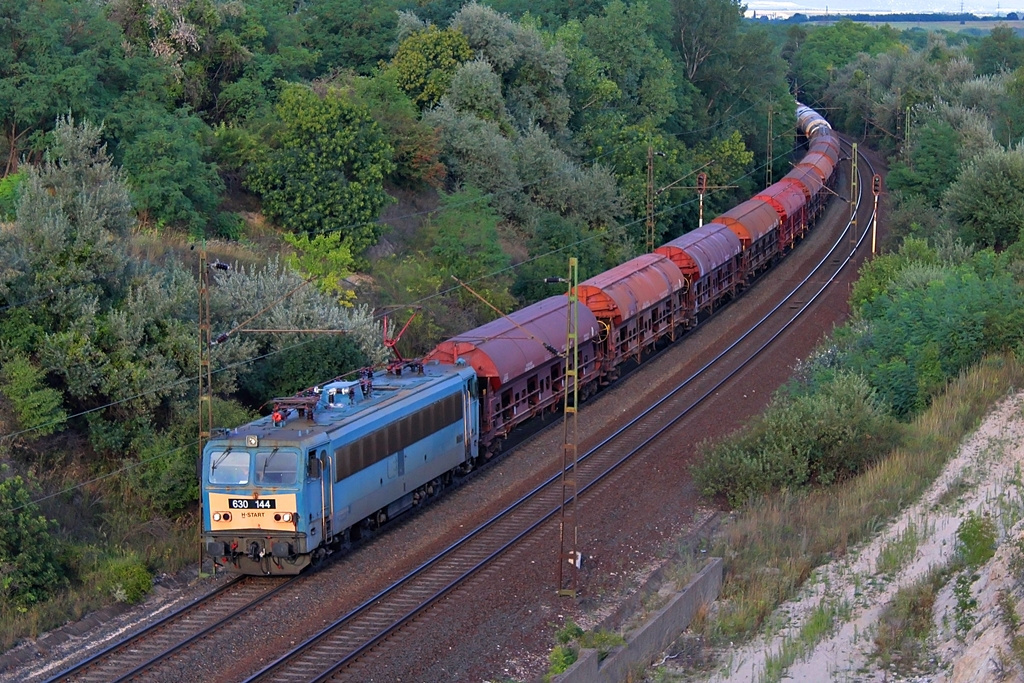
{"x":433,"y":487}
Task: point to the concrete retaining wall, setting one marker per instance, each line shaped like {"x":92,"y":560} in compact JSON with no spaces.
{"x":656,"y":634}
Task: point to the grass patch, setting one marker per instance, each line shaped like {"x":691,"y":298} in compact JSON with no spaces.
{"x":105,"y":574}
{"x":955,"y":490}
{"x":906,"y":623}
{"x":158,"y":246}
{"x":819,"y":624}
{"x":898,"y":552}
{"x":776,"y":541}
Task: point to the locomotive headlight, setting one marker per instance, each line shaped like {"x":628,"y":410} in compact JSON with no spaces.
{"x":226,"y":516}
{"x":287,"y":516}
{"x":216,"y":516}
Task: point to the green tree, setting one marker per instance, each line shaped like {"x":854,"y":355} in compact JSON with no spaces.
{"x":261,"y":46}
{"x":464,"y":244}
{"x":932,"y":323}
{"x":325,"y":171}
{"x":555,"y":239}
{"x":829,"y":48}
{"x":417,"y":145}
{"x":65,"y":251}
{"x":878,"y":276}
{"x":165,"y":155}
{"x":326,"y":259}
{"x":1010,"y":122}
{"x":588,"y":84}
{"x":703,"y":29}
{"x":30,"y":563}
{"x":293,"y":361}
{"x":561,"y":185}
{"x":549,"y":13}
{"x":37,"y":406}
{"x":621,"y":39}
{"x":531,"y":70}
{"x":425,"y":62}
{"x":476,"y":152}
{"x":56,"y":57}
{"x":986,"y":201}
{"x":476,"y":89}
{"x":9,"y":195}
{"x":162,"y":470}
{"x":115,"y":337}
{"x":1001,"y":50}
{"x":126,"y":362}
{"x":934,"y":168}
{"x":350,"y":34}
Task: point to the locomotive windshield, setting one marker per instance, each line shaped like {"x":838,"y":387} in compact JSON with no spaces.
{"x":229,"y":467}
{"x":276,"y":467}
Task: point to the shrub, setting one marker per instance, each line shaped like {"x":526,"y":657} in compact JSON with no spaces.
{"x":560,"y":659}
{"x":976,"y":539}
{"x":30,"y":566}
{"x":124,"y":577}
{"x":822,"y":437}
{"x":568,"y":633}
{"x":9,"y":195}
{"x":38,"y":407}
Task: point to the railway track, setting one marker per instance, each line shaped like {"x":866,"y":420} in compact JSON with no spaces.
{"x":342,"y":650}
{"x":131,"y":657}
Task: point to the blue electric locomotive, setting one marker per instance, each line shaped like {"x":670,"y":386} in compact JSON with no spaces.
{"x":282,"y":491}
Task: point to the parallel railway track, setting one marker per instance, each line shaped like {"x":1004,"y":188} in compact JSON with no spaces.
{"x":130,"y":658}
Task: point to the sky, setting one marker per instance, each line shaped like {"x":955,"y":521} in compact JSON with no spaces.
{"x":787,"y":7}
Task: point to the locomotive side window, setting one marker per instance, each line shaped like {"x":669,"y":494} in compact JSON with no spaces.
{"x":312,"y":466}
{"x":229,"y":467}
{"x":399,"y":435}
{"x":276,"y":467}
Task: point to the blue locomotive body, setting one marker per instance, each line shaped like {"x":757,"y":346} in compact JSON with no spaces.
{"x":282,"y":491}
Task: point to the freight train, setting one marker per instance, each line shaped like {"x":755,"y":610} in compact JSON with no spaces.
{"x":335,"y":462}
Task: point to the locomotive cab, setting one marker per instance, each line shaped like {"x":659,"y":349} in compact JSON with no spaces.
{"x":253,"y":495}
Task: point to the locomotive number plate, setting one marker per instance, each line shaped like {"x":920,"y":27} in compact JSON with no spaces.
{"x":252,"y":504}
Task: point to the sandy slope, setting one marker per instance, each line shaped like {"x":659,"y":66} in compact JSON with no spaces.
{"x":987,"y":475}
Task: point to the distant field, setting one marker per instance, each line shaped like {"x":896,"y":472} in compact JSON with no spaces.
{"x":952,"y":26}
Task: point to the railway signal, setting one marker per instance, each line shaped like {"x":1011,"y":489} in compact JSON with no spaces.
{"x":876,"y":189}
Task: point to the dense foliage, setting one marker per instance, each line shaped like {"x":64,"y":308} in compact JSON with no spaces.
{"x":30,"y":563}
{"x":326,"y":172}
